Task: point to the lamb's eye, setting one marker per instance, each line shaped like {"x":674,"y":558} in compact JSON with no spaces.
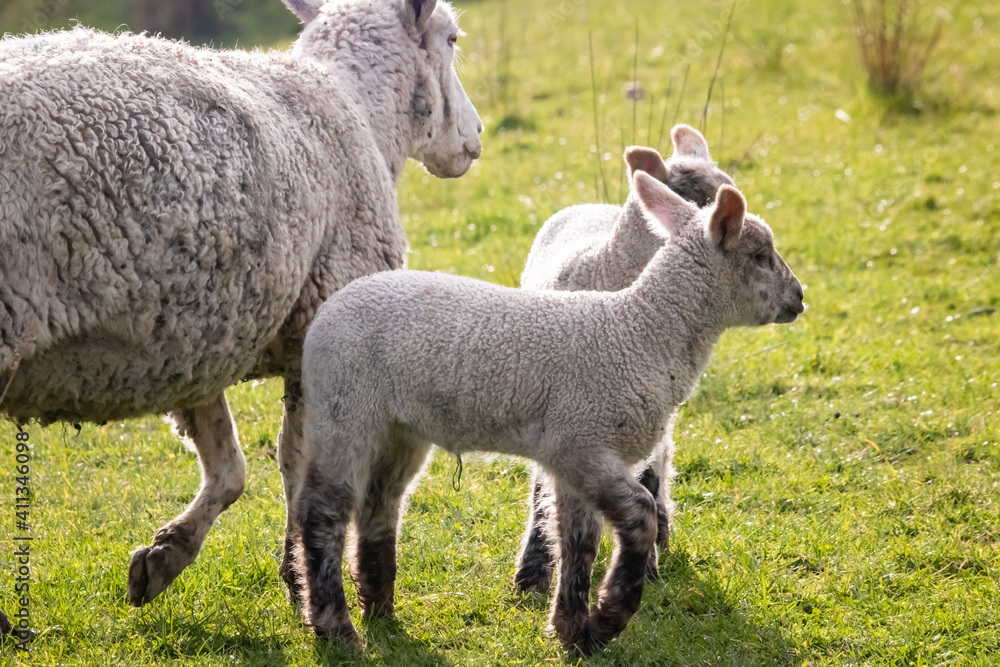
{"x":452,"y":40}
{"x":763,"y":257}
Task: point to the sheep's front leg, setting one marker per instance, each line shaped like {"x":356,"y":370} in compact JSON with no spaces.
{"x":223,"y":473}
{"x":373,"y":566}
{"x":630,"y":509}
{"x":535,"y":563}
{"x":579,"y":536}
{"x":290,"y":448}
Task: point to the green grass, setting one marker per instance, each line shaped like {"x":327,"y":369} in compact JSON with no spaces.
{"x":839,"y":478}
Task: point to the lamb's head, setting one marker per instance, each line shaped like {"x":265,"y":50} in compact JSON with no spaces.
{"x":734,"y":250}
{"x":690,"y":171}
{"x":415,"y":37}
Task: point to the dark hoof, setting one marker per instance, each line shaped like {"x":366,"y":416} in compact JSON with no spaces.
{"x":533,"y":579}
{"x":5,"y":626}
{"x":589,"y":642}
{"x":151,"y":571}
{"x":340,"y":635}
{"x":653,"y":565}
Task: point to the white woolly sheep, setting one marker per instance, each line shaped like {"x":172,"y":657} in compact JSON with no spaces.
{"x":584,"y":383}
{"x":605,"y":248}
{"x":172,"y":218}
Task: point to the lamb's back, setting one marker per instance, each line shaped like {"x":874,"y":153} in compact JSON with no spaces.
{"x":563,"y":239}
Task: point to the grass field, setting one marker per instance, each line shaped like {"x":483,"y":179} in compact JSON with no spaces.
{"x":839,"y":478}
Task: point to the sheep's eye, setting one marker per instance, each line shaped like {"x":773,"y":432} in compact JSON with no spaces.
{"x":452,"y":40}
{"x":763,"y":257}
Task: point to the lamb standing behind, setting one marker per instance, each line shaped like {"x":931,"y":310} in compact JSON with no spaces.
{"x":584,"y":383}
{"x":603,"y":247}
{"x":172,"y":218}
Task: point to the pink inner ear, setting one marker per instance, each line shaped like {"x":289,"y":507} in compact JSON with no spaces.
{"x":647,"y":160}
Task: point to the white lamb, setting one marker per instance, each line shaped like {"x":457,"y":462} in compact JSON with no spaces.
{"x":584,"y":383}
{"x":605,"y":248}
{"x":172,"y":217}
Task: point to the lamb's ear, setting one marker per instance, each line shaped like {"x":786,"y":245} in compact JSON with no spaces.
{"x":689,"y":142}
{"x":663,"y":204}
{"x":306,"y":10}
{"x":640,"y":158}
{"x":418,"y":13}
{"x":726,"y":221}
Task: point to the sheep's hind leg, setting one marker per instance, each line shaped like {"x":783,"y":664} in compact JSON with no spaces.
{"x":579,"y":536}
{"x":223,"y":469}
{"x":631,"y":511}
{"x":290,"y":449}
{"x":535,"y":563}
{"x":373,"y":565}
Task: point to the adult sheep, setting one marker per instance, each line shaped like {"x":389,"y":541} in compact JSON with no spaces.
{"x":172,"y":217}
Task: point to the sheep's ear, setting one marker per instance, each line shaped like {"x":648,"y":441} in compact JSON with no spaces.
{"x":418,"y":13}
{"x":663,"y":204}
{"x":306,"y":10}
{"x":640,"y":158}
{"x":689,"y":142}
{"x":726,"y":221}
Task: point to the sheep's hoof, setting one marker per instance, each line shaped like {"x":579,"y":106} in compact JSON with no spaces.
{"x":151,"y":571}
{"x":5,"y":625}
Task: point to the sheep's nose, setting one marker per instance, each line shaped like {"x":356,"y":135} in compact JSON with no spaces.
{"x":799,"y":293}
{"x":474,"y":150}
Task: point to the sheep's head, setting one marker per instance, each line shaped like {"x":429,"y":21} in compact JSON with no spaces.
{"x":735,"y":250}
{"x":446,"y":126}
{"x":690,"y":171}
{"x":418,"y":37}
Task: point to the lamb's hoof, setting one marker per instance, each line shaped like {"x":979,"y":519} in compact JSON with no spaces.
{"x":5,"y":625}
{"x":151,"y":571}
{"x":589,"y":641}
{"x":533,"y":579}
{"x":340,"y":635}
{"x":653,"y":565}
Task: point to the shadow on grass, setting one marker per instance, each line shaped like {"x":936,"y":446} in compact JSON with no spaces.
{"x":386,"y":642}
{"x":687,"y":618}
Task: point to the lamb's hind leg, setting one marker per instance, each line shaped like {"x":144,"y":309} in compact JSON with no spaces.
{"x":210,"y":427}
{"x":373,"y":565}
{"x":535,"y":563}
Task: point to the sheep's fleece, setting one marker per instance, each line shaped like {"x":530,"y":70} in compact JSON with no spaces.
{"x":165,"y":211}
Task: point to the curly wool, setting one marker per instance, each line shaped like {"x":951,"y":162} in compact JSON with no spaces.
{"x":166,"y":210}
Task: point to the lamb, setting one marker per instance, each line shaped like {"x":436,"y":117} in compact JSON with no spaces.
{"x":603,"y":247}
{"x":584,"y":383}
{"x":173,"y":217}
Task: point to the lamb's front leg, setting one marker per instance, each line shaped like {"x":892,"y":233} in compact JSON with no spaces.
{"x":631,"y":511}
{"x":223,"y":471}
{"x":290,"y":449}
{"x":576,"y":530}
